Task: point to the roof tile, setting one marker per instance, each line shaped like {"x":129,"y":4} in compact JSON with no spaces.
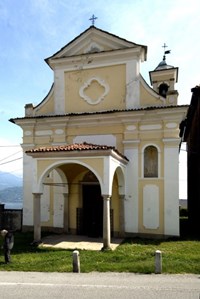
{"x":73,"y":147}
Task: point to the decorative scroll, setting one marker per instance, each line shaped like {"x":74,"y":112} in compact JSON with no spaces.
{"x":88,"y":84}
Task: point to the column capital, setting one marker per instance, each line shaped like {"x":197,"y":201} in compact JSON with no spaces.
{"x":106,"y":196}
{"x":171,"y":142}
{"x":35,"y":194}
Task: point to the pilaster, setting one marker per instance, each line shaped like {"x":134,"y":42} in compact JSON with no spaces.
{"x":121,"y":216}
{"x":66,"y":212}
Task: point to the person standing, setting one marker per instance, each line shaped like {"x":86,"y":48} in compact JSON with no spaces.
{"x":8,"y":244}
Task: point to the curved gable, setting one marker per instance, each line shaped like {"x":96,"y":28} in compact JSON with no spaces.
{"x":148,"y":97}
{"x":45,"y":107}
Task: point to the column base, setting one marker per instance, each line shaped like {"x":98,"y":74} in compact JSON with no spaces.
{"x":107,"y":248}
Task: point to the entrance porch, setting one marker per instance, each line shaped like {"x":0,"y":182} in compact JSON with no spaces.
{"x":94,"y":198}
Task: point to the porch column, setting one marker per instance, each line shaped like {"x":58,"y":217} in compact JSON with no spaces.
{"x":106,"y":222}
{"x":36,"y":216}
{"x":121,"y":216}
{"x":66,"y":212}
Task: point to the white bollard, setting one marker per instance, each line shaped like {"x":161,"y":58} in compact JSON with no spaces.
{"x":76,"y":262}
{"x":158,"y":262}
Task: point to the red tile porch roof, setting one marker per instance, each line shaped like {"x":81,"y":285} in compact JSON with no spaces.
{"x":74,"y":147}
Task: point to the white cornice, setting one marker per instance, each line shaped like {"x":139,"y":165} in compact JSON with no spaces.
{"x":90,"y":60}
{"x":116,"y":117}
{"x":76,"y":154}
{"x":131,"y":141}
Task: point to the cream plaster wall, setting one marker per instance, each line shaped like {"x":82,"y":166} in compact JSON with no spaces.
{"x":46,"y":199}
{"x":145,"y":213}
{"x":88,"y":132}
{"x":46,"y":107}
{"x":115,"y":204}
{"x":132,"y":192}
{"x":58,"y":202}
{"x":59,"y":102}
{"x":96,"y":164}
{"x":74,"y":202}
{"x":147,"y":98}
{"x":130,"y":138}
{"x":151,"y":207}
{"x":171,"y":190}
{"x":132,"y":84}
{"x":97,"y":139}
{"x":114,"y":76}
{"x":52,"y":202}
{"x":157,"y":186}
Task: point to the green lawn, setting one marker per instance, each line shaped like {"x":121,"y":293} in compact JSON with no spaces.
{"x":134,"y":255}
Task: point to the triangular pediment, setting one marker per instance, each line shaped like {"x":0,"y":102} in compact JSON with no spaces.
{"x":94,"y":40}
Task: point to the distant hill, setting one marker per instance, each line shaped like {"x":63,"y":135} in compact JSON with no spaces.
{"x":12,"y":195}
{"x":11,"y":192}
{"x":8,"y":180}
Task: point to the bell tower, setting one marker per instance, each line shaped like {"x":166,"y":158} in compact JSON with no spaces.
{"x":163,"y":80}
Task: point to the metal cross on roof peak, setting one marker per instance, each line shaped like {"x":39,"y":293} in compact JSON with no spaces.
{"x":93,"y":19}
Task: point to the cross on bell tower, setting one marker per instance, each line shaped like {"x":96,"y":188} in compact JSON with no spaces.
{"x":165,"y":52}
{"x":93,"y":19}
{"x":164,"y":46}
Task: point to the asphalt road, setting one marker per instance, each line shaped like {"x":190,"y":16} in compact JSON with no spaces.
{"x":21,"y":285}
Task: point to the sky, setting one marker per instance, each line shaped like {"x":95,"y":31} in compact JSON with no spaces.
{"x":32,"y":30}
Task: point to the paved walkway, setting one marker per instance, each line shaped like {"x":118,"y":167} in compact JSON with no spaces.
{"x":77,"y":242}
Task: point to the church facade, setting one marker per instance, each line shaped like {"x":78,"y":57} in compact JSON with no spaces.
{"x":101,"y":150}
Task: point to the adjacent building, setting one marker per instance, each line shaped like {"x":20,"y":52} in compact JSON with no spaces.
{"x":190,"y":133}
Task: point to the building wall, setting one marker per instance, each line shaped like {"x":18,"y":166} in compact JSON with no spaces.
{"x":95,"y":84}
{"x":130,"y":138}
{"x":111,"y":76}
